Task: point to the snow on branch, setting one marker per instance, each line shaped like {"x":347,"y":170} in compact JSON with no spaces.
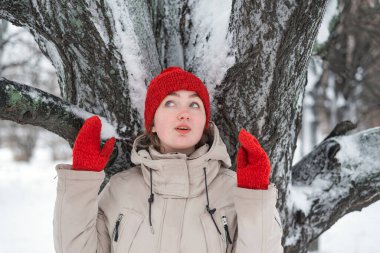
{"x":27,"y":105}
{"x":341,"y":175}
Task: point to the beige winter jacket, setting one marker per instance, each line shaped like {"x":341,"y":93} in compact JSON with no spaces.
{"x":118,"y":220}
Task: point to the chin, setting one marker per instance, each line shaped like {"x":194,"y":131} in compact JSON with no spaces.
{"x":183,"y":147}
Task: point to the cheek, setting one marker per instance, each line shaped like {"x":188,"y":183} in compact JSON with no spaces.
{"x":200,"y":125}
{"x":161,"y":121}
{"x":201,"y":118}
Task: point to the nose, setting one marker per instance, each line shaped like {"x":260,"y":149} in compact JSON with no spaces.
{"x":184,"y":115}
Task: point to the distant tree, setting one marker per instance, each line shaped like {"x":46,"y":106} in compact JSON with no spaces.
{"x":349,"y":86}
{"x":251,"y":55}
{"x":21,"y":60}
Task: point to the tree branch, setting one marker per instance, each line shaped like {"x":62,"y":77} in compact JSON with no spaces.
{"x":91,"y":45}
{"x":341,"y":175}
{"x":17,"y":12}
{"x":27,"y":105}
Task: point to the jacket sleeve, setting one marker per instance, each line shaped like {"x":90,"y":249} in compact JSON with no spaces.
{"x":259,"y":225}
{"x":78,"y":224}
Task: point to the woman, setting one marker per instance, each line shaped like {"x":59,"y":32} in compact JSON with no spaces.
{"x":180,"y":196}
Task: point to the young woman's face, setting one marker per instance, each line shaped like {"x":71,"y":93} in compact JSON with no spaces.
{"x":179,"y":122}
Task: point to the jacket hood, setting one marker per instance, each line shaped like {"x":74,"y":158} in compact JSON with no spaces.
{"x":179,"y":175}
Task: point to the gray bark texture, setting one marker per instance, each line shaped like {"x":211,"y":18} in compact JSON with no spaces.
{"x":261,"y":91}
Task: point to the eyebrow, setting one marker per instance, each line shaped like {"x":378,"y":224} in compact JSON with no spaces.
{"x":176,"y":94}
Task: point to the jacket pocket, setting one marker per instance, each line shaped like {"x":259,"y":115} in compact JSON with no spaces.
{"x":127,"y":224}
{"x":221,"y":239}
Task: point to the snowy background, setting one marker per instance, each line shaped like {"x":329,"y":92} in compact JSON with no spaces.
{"x":28,"y":190}
{"x":27,"y":195}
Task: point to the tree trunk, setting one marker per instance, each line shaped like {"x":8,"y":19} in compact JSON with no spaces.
{"x":252,"y":55}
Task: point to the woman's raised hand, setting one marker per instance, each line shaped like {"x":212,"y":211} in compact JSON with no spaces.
{"x":253,"y":166}
{"x":86,"y":152}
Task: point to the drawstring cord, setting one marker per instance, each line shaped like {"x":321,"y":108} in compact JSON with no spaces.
{"x":150,"y":200}
{"x":210,"y":211}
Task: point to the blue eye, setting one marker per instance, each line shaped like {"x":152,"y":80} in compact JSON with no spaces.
{"x":194,"y":105}
{"x":169,"y":103}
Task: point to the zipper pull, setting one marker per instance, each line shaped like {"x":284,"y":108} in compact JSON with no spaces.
{"x":115,"y":233}
{"x":225,"y":225}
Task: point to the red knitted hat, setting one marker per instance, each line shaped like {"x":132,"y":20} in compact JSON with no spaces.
{"x":170,"y":80}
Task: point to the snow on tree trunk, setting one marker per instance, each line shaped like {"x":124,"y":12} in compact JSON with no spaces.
{"x":339,"y":176}
{"x":252,"y":55}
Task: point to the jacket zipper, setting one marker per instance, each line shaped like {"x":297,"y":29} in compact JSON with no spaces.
{"x":115,"y":233}
{"x":225,"y":225}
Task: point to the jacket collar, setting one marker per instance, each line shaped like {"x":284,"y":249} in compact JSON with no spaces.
{"x":175,"y":175}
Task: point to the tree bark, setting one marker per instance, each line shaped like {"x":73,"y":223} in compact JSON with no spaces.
{"x":27,"y":105}
{"x":273,"y":42}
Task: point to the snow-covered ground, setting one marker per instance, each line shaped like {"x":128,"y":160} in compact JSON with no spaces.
{"x":357,"y":232}
{"x":27,"y":195}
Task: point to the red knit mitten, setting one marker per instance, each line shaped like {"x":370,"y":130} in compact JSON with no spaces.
{"x":86,"y":152}
{"x":253,"y":166}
